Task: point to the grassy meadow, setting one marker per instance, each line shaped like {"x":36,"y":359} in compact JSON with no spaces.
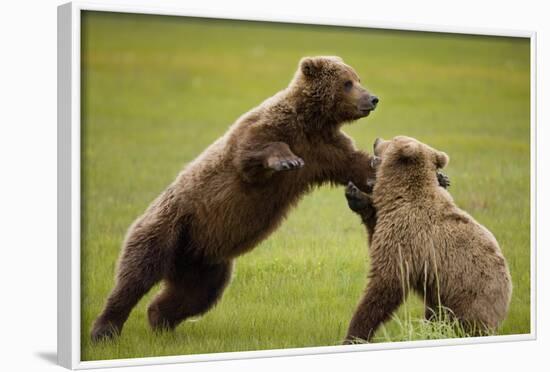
{"x":156,"y":91}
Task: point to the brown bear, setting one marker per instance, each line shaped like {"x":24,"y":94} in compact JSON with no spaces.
{"x":237,"y":192}
{"x":420,"y":240}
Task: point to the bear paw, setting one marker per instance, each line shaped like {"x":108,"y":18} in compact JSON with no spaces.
{"x":285,"y":164}
{"x":157,"y":321}
{"x":443,"y":180}
{"x":104,"y":331}
{"x":357,"y":199}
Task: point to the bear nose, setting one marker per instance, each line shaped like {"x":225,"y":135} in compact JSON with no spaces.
{"x":374,"y":100}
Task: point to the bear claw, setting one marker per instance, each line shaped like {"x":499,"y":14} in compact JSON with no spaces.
{"x":443,"y":180}
{"x":351,"y":190}
{"x":288,"y":164}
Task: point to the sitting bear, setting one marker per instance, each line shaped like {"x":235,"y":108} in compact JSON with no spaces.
{"x":420,"y":240}
{"x":237,"y":192}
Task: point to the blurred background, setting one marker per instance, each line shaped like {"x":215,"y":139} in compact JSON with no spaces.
{"x":157,"y":90}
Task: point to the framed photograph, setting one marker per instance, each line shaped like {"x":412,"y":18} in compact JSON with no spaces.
{"x":237,"y":186}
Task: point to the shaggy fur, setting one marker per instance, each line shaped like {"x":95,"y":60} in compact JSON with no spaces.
{"x":237,"y":192}
{"x":421,"y":240}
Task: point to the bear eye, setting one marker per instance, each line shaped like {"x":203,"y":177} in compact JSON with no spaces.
{"x":348,"y":85}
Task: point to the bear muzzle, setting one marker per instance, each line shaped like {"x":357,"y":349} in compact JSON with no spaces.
{"x":367,"y":103}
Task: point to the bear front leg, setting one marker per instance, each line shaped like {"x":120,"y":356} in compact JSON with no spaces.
{"x":361,"y":203}
{"x":383,"y":296}
{"x":258,"y":163}
{"x":360,"y":170}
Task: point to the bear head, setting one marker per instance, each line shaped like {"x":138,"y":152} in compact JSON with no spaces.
{"x":407,"y":160}
{"x":333,"y":90}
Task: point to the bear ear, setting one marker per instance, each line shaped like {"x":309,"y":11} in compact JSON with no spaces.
{"x":311,"y":66}
{"x":441,"y":159}
{"x":409,"y":150}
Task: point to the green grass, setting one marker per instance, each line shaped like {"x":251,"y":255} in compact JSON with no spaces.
{"x":158,"y":90}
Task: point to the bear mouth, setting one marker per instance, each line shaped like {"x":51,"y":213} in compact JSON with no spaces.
{"x":366,"y":111}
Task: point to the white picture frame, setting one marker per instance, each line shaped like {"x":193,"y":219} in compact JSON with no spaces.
{"x":69,"y":333}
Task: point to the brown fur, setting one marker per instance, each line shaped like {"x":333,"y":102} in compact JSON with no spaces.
{"x":237,"y":192}
{"x":422,"y":241}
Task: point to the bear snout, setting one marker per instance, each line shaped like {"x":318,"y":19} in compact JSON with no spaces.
{"x":374,"y":101}
{"x":367,"y":102}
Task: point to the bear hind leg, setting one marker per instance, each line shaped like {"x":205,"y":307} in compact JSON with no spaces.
{"x":195,"y":290}
{"x":139,"y":269}
{"x":383,"y":296}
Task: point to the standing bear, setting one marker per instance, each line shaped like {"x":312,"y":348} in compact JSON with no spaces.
{"x":420,"y":240}
{"x":237,"y":192}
